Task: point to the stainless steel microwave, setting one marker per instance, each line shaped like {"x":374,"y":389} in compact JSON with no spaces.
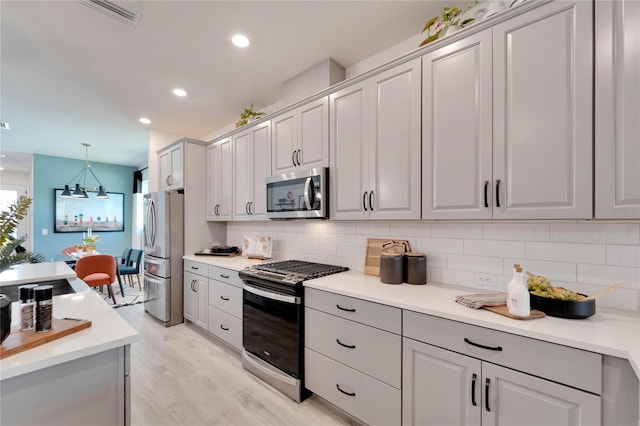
{"x":299,"y":195}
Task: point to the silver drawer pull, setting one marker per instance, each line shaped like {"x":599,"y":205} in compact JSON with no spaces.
{"x":346,"y":346}
{"x":346,"y":393}
{"x":490,"y":348}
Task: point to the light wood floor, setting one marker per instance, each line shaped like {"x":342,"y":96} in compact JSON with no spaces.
{"x":182,"y":376}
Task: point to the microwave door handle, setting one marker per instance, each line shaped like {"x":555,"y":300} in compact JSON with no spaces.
{"x":307,"y":193}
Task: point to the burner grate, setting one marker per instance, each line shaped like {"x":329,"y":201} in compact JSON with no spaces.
{"x":306,"y":270}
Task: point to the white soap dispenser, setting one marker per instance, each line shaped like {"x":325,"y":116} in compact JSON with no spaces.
{"x":518,"y":295}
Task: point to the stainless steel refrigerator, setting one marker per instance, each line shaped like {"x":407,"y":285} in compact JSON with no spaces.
{"x":163,"y":236}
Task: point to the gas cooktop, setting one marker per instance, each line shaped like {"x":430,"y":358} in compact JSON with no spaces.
{"x":292,"y":271}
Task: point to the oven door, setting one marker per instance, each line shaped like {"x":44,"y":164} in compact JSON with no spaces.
{"x":272,"y":327}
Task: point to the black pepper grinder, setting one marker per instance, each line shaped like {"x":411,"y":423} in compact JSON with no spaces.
{"x":27,"y":307}
{"x":44,"y":307}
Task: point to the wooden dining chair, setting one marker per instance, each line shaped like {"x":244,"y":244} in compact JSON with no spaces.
{"x":98,"y":270}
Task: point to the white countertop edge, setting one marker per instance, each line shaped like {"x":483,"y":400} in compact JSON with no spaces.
{"x":28,"y":273}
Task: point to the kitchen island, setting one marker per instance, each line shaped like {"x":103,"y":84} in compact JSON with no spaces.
{"x":82,"y":378}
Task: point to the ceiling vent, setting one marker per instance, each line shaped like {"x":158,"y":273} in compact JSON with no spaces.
{"x":4,"y":125}
{"x":119,"y":13}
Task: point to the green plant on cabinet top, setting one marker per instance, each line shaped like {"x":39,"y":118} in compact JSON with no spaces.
{"x":450,"y":17}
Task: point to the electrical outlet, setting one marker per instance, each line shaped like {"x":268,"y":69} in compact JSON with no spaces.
{"x":483,"y":279}
{"x":45,"y":231}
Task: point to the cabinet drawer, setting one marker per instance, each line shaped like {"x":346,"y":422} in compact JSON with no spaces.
{"x":225,"y":326}
{"x":374,"y":352}
{"x":570,"y":366}
{"x":373,"y":314}
{"x":226,"y":297}
{"x":374,"y":402}
{"x":224,"y":275}
{"x":196,"y":268}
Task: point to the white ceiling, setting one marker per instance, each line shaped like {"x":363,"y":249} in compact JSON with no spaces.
{"x":70,"y":74}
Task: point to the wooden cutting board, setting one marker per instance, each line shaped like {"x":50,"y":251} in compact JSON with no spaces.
{"x":503,"y":310}
{"x":375,"y":247}
{"x":20,"y":341}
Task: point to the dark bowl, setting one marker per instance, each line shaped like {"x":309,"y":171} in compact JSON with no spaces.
{"x":563,"y":308}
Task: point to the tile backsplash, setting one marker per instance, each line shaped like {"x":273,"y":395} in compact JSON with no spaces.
{"x":582,"y":256}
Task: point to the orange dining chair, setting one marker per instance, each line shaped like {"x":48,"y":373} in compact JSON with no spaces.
{"x":98,"y":270}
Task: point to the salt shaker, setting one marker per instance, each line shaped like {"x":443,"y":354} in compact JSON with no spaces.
{"x":44,"y":307}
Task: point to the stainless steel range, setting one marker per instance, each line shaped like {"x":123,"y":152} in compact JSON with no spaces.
{"x":273,"y":321}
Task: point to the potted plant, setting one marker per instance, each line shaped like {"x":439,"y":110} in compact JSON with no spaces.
{"x":248,"y":115}
{"x":11,"y":251}
{"x":450,"y":19}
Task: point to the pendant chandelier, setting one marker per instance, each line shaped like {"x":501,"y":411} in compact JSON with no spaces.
{"x":81,"y":187}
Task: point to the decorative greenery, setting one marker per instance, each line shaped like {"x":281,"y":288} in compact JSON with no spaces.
{"x":248,"y":115}
{"x":450,"y":17}
{"x":8,"y":222}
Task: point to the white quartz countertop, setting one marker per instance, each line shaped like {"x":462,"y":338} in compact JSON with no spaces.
{"x":609,"y":332}
{"x":36,"y":272}
{"x":108,"y":330}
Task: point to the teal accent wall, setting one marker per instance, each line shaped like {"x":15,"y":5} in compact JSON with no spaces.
{"x":55,"y":172}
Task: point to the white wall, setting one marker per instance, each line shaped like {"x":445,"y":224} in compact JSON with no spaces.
{"x":581,"y":256}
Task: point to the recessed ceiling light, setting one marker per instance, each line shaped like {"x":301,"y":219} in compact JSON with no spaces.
{"x":179,"y":92}
{"x":3,"y":156}
{"x":240,"y":40}
{"x":144,"y":120}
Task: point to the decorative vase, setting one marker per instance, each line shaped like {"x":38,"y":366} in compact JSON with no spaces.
{"x":451,"y":29}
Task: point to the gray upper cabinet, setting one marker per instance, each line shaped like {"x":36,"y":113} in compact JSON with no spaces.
{"x":506,"y":119}
{"x":170,"y":162}
{"x":219,"y":177}
{"x":617,"y":107}
{"x":251,"y":165}
{"x":456,"y":134}
{"x":542,"y":113}
{"x":375,"y":146}
{"x":300,"y":137}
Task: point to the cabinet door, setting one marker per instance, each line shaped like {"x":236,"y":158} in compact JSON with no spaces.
{"x":195,"y":299}
{"x":516,"y":398}
{"x":219,"y":169}
{"x":456,"y":133}
{"x":164,"y":160}
{"x":439,"y":387}
{"x":242,"y":182}
{"x":285,"y":142}
{"x":394,"y":143}
{"x":313,"y":134}
{"x":617,"y":109}
{"x":542,"y":105}
{"x":260,"y":168}
{"x":349,"y":151}
{"x":176,"y":166}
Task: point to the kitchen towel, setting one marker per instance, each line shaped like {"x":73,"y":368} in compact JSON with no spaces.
{"x":477,"y":301}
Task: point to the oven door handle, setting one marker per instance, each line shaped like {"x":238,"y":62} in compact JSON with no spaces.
{"x":294,"y":300}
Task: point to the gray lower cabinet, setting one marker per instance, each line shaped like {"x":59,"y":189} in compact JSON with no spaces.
{"x":478,"y":382}
{"x":195,"y":298}
{"x":352,"y":359}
